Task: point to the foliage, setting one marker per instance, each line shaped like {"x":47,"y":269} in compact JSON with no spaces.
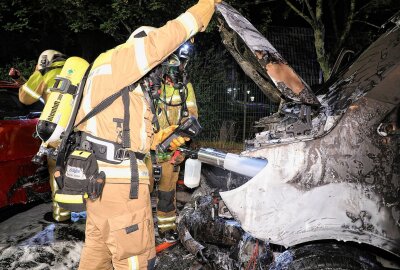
{"x":24,"y":66}
{"x":334,"y":20}
{"x":88,"y":27}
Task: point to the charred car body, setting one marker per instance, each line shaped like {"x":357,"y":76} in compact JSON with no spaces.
{"x":333,"y":172}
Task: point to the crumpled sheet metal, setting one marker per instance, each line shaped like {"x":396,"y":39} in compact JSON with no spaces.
{"x":374,"y":75}
{"x":344,"y":183}
{"x":249,"y":34}
{"x":285,"y":79}
{"x":188,"y":241}
{"x":342,"y":186}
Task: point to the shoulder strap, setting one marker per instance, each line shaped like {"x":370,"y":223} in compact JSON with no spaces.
{"x":70,"y":126}
{"x":183,"y":93}
{"x":105,"y":103}
{"x":152,"y":101}
{"x":126,"y":141}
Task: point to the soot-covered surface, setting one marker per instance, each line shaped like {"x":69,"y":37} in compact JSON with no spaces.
{"x":27,"y":241}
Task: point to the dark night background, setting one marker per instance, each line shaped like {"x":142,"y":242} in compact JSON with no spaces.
{"x":310,"y":43}
{"x":87,"y":28}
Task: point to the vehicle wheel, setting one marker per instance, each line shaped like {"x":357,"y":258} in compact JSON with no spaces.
{"x":326,"y":256}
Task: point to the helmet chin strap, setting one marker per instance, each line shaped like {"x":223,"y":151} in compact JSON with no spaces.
{"x":44,"y":62}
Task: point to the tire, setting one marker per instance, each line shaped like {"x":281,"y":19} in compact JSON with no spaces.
{"x":337,"y":256}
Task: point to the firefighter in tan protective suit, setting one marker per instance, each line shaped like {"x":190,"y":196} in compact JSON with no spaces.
{"x":177,"y":102}
{"x":37,"y":88}
{"x":119,"y":229}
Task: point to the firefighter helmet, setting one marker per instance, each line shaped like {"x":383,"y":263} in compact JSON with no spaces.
{"x":46,"y":58}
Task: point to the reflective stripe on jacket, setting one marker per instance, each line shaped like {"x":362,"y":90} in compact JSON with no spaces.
{"x":38,"y":85}
{"x":125,"y":65}
{"x":116,"y":173}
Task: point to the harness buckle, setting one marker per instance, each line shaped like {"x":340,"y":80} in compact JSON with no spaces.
{"x":121,"y":153}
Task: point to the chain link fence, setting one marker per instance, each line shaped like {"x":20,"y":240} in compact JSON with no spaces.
{"x":227,"y":111}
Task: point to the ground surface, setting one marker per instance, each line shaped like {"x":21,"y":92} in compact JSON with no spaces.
{"x":27,"y":241}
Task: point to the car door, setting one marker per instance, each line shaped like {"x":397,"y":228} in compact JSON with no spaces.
{"x":17,"y":147}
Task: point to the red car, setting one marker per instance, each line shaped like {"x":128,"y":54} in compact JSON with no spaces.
{"x":21,"y":181}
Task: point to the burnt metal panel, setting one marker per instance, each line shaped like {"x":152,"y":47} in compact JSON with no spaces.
{"x":342,"y":181}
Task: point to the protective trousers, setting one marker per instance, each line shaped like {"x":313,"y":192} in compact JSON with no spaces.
{"x":166,"y":203}
{"x":59,"y":214}
{"x":119,"y":231}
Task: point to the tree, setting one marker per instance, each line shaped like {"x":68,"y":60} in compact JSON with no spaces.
{"x":339,"y":17}
{"x":79,"y":26}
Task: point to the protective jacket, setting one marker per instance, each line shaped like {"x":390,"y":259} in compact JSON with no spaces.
{"x":170,"y":110}
{"x":38,"y":86}
{"x":125,"y":65}
{"x":171,"y":114}
{"x":119,"y":231}
{"x":39,"y":82}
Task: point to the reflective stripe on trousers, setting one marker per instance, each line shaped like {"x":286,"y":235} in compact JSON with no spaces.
{"x":166,"y":223}
{"x":59,"y":214}
{"x":133,"y":263}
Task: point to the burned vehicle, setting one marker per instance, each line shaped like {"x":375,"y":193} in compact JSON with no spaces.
{"x":330,"y":191}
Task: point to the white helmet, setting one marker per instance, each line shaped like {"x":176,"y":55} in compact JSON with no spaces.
{"x":140,"y":32}
{"x":46,"y":57}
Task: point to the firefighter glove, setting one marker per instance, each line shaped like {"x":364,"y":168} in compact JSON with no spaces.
{"x":177,"y":142}
{"x":164,"y":133}
{"x":161,"y":135}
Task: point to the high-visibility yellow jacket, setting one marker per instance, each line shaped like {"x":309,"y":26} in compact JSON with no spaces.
{"x":170,"y":115}
{"x":126,"y":64}
{"x":38,"y":85}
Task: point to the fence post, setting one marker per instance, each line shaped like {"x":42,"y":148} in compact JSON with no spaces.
{"x":246,"y":93}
